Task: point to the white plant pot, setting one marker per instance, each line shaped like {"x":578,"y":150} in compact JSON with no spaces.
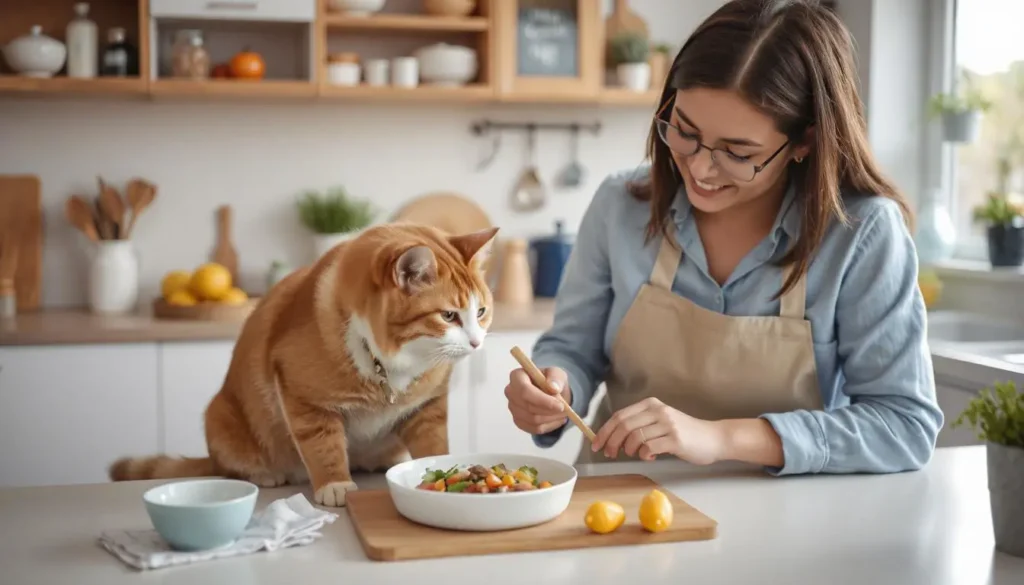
{"x":323,"y":243}
{"x":634,"y":76}
{"x":113,"y":278}
{"x":961,"y":127}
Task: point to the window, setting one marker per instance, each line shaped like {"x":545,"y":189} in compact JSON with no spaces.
{"x":987,"y":55}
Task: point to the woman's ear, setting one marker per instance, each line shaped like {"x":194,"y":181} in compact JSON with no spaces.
{"x":801,"y":151}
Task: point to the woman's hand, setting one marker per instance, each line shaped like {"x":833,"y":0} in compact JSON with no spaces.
{"x":538,"y":410}
{"x":651,"y":428}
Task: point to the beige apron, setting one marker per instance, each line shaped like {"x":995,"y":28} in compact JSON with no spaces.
{"x":706,"y":364}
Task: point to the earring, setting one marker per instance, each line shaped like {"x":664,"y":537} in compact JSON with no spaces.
{"x":799,"y":159}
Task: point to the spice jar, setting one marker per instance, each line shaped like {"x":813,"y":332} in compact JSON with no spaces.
{"x":343,"y":69}
{"x":189,"y":57}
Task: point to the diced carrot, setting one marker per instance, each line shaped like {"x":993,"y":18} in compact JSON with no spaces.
{"x":545,"y":484}
{"x":492,"y":480}
{"x":460,"y":476}
{"x":507,"y":480}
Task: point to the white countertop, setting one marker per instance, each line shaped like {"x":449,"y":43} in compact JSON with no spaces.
{"x":930,"y":527}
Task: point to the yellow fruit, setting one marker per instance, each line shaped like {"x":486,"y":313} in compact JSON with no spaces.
{"x":235,"y":296}
{"x":210,"y":282}
{"x":603,"y":517}
{"x":173,"y":281}
{"x":181,"y":298}
{"x":656,"y":512}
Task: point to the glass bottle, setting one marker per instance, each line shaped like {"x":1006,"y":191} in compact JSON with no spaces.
{"x":190,"y":59}
{"x":120,"y":58}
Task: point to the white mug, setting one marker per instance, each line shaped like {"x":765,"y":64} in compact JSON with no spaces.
{"x":405,"y":72}
{"x":376,"y":71}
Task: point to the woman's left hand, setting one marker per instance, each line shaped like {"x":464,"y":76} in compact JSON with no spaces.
{"x":651,"y":428}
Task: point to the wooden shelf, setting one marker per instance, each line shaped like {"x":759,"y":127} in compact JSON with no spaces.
{"x":616,"y":96}
{"x":407,"y":23}
{"x":17,"y":84}
{"x":233,"y":88}
{"x":422,"y":93}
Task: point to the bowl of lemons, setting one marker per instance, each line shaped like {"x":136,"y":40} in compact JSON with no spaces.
{"x":207,"y":293}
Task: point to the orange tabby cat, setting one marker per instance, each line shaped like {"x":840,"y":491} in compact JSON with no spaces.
{"x":345,"y":364}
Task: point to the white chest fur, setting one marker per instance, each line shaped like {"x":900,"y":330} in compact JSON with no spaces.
{"x":364,"y":426}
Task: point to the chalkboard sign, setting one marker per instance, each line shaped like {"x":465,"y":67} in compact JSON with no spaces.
{"x":547,"y":42}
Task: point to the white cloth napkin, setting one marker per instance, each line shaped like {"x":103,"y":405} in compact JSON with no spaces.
{"x":287,"y":522}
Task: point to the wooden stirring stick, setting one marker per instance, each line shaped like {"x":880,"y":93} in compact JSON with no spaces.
{"x":538,"y":379}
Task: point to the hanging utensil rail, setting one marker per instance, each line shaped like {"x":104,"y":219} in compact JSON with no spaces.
{"x":484,"y":126}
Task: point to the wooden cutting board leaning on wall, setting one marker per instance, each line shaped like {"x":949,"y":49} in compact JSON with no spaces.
{"x":21,"y":211}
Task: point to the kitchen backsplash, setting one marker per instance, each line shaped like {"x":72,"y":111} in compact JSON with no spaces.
{"x":260,"y":157}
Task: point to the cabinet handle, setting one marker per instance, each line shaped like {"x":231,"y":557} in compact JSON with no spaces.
{"x":214,"y":5}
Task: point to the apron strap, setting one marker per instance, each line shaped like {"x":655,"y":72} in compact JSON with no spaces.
{"x":667,"y":264}
{"x":792,"y":304}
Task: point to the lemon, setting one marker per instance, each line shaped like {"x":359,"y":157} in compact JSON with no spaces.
{"x":235,"y":296}
{"x":931,"y":288}
{"x":656,"y":512}
{"x":603,"y":517}
{"x":173,"y":281}
{"x":181,"y":298}
{"x":210,"y":282}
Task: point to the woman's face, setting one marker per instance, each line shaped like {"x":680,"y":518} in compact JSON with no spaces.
{"x":744,"y":137}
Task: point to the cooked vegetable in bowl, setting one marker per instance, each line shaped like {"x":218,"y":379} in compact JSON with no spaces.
{"x":478,"y":479}
{"x":518,"y":490}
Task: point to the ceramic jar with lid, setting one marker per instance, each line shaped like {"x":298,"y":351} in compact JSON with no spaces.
{"x":343,"y":69}
{"x":35,"y":54}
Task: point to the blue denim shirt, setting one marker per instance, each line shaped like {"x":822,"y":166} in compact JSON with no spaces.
{"x":867,"y":316}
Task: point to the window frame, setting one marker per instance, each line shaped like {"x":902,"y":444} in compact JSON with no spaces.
{"x":941,"y":168}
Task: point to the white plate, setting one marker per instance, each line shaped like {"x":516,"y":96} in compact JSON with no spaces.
{"x":481,"y":512}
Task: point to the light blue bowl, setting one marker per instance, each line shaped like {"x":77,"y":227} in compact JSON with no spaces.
{"x":201,"y":514}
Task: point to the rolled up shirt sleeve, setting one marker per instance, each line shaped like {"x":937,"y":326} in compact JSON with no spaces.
{"x":575,"y":341}
{"x":893,"y":418}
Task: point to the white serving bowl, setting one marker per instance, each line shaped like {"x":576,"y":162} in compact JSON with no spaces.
{"x":443,"y":64}
{"x":481,"y":512}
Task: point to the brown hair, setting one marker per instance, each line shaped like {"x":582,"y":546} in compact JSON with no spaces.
{"x":794,"y":61}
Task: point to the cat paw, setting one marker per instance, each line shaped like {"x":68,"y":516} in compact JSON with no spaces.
{"x":269,"y":480}
{"x":333,"y":494}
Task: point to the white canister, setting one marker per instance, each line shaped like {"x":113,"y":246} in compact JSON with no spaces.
{"x":376,"y":72}
{"x":113,"y":277}
{"x":405,"y":72}
{"x":343,"y":69}
{"x":83,"y":42}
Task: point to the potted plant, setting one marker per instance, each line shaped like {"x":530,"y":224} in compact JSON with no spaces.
{"x":333,"y":217}
{"x":628,"y":51}
{"x":1004,"y":219}
{"x":960,"y":114}
{"x":999,"y":420}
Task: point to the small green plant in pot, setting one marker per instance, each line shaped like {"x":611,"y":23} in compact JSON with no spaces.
{"x":333,"y":217}
{"x":960,"y":114}
{"x":997,"y":414}
{"x":1004,"y":223}
{"x":629,"y":52}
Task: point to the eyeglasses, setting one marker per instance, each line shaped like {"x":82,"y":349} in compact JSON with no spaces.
{"x":740,"y":168}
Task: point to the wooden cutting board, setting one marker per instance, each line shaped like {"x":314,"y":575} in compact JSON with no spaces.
{"x":388,"y":536}
{"x":21,"y":209}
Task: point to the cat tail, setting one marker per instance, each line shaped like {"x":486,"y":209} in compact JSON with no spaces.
{"x":161,"y":467}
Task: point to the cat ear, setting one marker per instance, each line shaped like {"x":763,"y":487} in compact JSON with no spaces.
{"x":475,"y":244}
{"x":415,"y":269}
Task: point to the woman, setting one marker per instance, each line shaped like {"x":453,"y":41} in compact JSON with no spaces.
{"x":752,"y":295}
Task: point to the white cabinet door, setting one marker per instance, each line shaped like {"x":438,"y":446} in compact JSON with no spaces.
{"x":953,"y":400}
{"x":491,"y":425}
{"x":67,"y":412}
{"x":190,"y":374}
{"x":265,"y":10}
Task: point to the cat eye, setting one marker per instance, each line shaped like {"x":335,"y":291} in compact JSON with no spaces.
{"x":449,"y":316}
{"x":480,"y":312}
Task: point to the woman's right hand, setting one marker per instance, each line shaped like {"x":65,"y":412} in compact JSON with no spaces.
{"x":536,"y":410}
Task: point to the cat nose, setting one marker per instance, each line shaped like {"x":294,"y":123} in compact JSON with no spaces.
{"x":475,"y":343}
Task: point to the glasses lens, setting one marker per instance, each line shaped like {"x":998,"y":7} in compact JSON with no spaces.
{"x":675,"y":140}
{"x":739,"y":170}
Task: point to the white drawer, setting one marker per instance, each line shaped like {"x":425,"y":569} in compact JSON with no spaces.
{"x":273,"y":10}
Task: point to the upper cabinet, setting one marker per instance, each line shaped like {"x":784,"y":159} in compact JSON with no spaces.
{"x":550,"y":51}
